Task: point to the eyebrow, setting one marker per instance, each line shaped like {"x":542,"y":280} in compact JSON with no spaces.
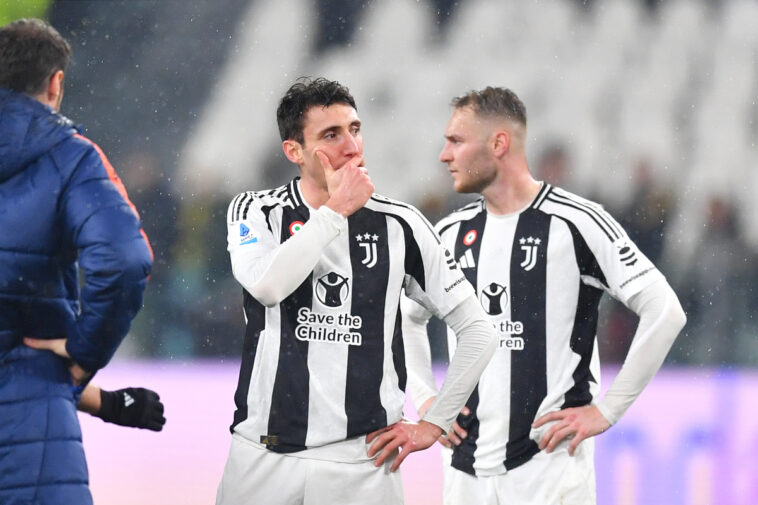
{"x":357,"y":122}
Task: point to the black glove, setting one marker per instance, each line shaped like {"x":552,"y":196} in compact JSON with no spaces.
{"x":136,"y":407}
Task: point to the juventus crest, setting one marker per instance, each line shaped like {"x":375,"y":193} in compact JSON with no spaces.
{"x":367,"y":241}
{"x":529,"y":246}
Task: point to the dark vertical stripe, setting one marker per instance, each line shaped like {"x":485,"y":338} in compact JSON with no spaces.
{"x":585,"y":323}
{"x":255,"y":313}
{"x":288,"y":419}
{"x":463,"y":455}
{"x":370,"y":267}
{"x":398,"y":352}
{"x":528,"y":305}
{"x":414,"y":263}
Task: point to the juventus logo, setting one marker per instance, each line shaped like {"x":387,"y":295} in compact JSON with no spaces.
{"x":368,"y":242}
{"x":529,"y":246}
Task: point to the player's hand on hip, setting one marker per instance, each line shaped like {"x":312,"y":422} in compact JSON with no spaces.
{"x":457,"y":433}
{"x":575,"y":424}
{"x":58,"y":346}
{"x":405,"y":436}
{"x":349,"y":186}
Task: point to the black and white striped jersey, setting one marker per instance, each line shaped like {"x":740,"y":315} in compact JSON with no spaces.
{"x":327,"y":363}
{"x":539,"y":274}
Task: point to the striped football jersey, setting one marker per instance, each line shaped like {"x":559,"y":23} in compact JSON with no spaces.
{"x":539,"y":274}
{"x":327,"y":363}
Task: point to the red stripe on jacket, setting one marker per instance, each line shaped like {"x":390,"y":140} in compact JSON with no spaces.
{"x":116,"y":180}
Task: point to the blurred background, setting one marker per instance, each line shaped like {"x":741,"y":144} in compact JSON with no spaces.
{"x":649,"y":107}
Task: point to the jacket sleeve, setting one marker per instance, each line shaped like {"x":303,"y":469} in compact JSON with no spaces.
{"x":114,"y":257}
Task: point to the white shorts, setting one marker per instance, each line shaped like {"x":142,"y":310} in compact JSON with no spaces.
{"x":255,"y":476}
{"x":546,"y":479}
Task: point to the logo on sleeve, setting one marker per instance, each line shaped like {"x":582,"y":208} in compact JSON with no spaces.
{"x":246,"y":235}
{"x":451,"y":264}
{"x":529,"y":246}
{"x":626,"y":254}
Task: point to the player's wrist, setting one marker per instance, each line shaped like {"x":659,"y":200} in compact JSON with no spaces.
{"x":109,"y":406}
{"x":432,"y":428}
{"x":340,"y":208}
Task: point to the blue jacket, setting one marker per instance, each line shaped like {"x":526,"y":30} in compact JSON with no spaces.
{"x":61,"y":204}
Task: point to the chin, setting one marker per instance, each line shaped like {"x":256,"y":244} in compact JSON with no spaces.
{"x":461,"y":187}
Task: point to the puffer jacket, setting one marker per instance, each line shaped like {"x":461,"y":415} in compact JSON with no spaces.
{"x":61,"y":204}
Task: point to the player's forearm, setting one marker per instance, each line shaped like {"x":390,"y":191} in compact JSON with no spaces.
{"x":418,"y":361}
{"x":90,"y":401}
{"x":661,"y":319}
{"x":477,"y":343}
{"x":273,"y":277}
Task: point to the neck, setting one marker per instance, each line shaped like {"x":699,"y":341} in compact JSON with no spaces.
{"x":315,"y":192}
{"x":511,"y":192}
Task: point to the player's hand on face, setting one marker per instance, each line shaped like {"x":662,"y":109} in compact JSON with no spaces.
{"x":349,"y":186}
{"x":58,"y":346}
{"x":405,"y":436}
{"x":576,"y":424}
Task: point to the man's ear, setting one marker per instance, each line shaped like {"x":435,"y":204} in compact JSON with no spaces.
{"x":54,"y":93}
{"x":293,"y":150}
{"x":501,"y":142}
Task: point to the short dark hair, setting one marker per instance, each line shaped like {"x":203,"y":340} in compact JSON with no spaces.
{"x":303,"y":95}
{"x":492,"y":101}
{"x":31,"y":51}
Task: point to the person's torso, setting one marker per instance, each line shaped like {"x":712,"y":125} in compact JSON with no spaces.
{"x":38,"y":279}
{"x":540,"y":281}
{"x":327,"y":363}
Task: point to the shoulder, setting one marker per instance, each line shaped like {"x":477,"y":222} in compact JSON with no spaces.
{"x":464,"y":213}
{"x":402,"y":211}
{"x":246,"y":202}
{"x":587,"y":216}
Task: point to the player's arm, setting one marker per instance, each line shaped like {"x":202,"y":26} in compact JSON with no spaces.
{"x":661,"y":320}
{"x":132,"y":407}
{"x":271,"y":271}
{"x":418,"y":363}
{"x":114,"y":256}
{"x":418,"y":356}
{"x":476,"y":344}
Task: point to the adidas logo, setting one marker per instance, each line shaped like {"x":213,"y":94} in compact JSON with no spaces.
{"x":467,"y":260}
{"x":128,"y":400}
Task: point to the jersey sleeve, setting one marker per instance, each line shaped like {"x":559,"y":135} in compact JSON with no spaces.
{"x":433,"y":277}
{"x":250,"y":234}
{"x":114,"y":258}
{"x":623,"y":270}
{"x":268,"y":269}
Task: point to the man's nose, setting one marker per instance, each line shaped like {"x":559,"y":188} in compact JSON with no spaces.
{"x":351,"y":145}
{"x":445,"y":155}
